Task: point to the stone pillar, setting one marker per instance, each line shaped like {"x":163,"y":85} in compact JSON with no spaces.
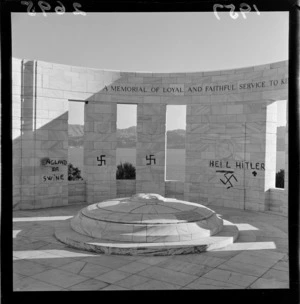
{"x":100,"y":142}
{"x":261,"y":139}
{"x":150,"y":162}
{"x":26,"y":171}
{"x":43,"y":143}
{"x":51,"y":138}
{"x":199,"y":150}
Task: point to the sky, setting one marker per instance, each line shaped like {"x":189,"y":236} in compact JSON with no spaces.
{"x":152,"y":42}
{"x":126,"y":116}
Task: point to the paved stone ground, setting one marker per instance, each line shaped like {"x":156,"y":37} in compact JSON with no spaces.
{"x":258,"y":259}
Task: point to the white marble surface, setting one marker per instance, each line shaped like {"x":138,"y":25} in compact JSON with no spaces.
{"x":149,"y":218}
{"x":162,"y":246}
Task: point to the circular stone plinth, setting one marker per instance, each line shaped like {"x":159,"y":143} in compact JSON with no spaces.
{"x":147,"y":224}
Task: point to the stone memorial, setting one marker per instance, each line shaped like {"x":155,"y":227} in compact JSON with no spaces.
{"x":147,"y":224}
{"x":230,"y":143}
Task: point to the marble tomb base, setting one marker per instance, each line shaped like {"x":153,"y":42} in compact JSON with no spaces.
{"x":147,"y":224}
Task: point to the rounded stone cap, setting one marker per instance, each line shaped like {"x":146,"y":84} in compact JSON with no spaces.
{"x":146,"y":217}
{"x":147,"y":224}
{"x":147,"y":208}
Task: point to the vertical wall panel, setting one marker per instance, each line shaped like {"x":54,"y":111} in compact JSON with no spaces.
{"x":150,"y":162}
{"x":100,"y":153}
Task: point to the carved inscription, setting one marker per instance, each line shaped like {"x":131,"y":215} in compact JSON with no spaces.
{"x":205,"y":89}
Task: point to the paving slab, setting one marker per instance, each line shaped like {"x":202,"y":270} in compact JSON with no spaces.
{"x":278,"y":275}
{"x":28,"y":268}
{"x":200,"y":259}
{"x":17,"y":277}
{"x":152,"y":260}
{"x":54,"y":246}
{"x":30,"y":284}
{"x":134,"y":267}
{"x":108,"y":261}
{"x":156,"y":285}
{"x":91,"y":284}
{"x":22,"y":243}
{"x":59,"y":278}
{"x":281,"y":265}
{"x":74,"y":267}
{"x":223,"y":254}
{"x":268,"y":284}
{"x":167,"y":275}
{"x":230,"y":277}
{"x":132,"y":281}
{"x":113,"y":276}
{"x":185,"y":267}
{"x":206,"y":283}
{"x":255,"y":259}
{"x":243,"y":268}
{"x":114,"y":287}
{"x":53,"y":262}
{"x":43,"y":263}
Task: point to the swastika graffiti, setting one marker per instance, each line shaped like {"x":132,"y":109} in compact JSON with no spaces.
{"x":149,"y":158}
{"x":228,"y":176}
{"x":101,"y":160}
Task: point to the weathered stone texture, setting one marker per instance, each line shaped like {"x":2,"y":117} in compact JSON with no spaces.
{"x":231,"y":126}
{"x":76,"y":192}
{"x":126,"y":188}
{"x":150,"y":159}
{"x":100,"y":156}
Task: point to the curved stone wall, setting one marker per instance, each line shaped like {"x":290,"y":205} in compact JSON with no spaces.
{"x":230,"y":142}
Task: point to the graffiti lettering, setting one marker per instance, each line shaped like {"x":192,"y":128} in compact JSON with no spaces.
{"x":250,"y":165}
{"x":219,"y":164}
{"x":51,"y":162}
{"x":244,"y":165}
{"x":53,"y":177}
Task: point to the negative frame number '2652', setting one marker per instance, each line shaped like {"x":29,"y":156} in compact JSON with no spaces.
{"x":45,"y":6}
